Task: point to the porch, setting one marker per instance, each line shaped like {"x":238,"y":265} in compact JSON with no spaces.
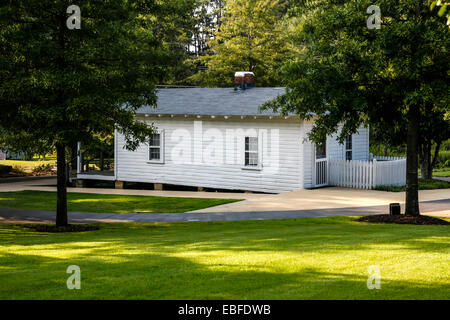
{"x":378,"y":171}
{"x":96,"y":163}
{"x":96,"y":175}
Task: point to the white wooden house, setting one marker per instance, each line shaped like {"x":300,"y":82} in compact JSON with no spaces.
{"x":217,"y":138}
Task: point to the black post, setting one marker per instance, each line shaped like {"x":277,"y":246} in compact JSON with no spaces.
{"x":101,"y":160}
{"x":61,"y":207}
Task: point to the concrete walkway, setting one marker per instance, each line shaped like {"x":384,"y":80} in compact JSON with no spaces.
{"x":297,"y":204}
{"x":49,"y":184}
{"x":442,"y":178}
{"x":436,"y":208}
{"x":331,"y":198}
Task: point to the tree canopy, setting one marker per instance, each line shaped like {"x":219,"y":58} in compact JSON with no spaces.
{"x":251,"y":37}
{"x":349,"y":74}
{"x":62,"y":85}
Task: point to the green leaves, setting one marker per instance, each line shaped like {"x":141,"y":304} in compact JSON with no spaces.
{"x":61,"y":85}
{"x":442,"y":7}
{"x":251,"y":37}
{"x":347,"y":74}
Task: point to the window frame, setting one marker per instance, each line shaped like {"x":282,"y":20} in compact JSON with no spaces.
{"x":258,"y":152}
{"x":161,"y":149}
{"x":347,"y":149}
{"x":324,"y":155}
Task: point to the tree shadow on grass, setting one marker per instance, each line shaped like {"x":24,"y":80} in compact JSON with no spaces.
{"x":209,"y":261}
{"x":153,"y":276}
{"x":275,"y":235}
{"x":293,"y":235}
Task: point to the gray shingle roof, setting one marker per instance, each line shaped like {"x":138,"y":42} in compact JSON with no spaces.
{"x":213,"y":101}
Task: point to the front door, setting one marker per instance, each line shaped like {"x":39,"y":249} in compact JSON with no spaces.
{"x":321,"y":165}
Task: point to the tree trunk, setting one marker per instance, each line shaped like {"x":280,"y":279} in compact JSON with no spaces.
{"x":427,"y":164}
{"x":61,"y":207}
{"x":412,"y":181}
{"x":73,"y":156}
{"x":385,"y":150}
{"x":425,"y":169}
{"x":435,"y":158}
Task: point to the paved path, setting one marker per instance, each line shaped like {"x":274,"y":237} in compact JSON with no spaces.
{"x":49,"y":184}
{"x":442,"y":178}
{"x":297,"y":204}
{"x":438,"y":208}
{"x":325,"y":199}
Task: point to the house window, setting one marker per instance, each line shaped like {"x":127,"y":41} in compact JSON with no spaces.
{"x":251,"y":152}
{"x":321,"y":150}
{"x":348,"y":148}
{"x":156,"y":148}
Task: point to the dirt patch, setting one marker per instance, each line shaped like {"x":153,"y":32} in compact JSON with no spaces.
{"x":69,"y":228}
{"x":402,"y":219}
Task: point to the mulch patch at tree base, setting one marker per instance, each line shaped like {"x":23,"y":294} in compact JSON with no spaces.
{"x":402,"y":219}
{"x":68,"y":228}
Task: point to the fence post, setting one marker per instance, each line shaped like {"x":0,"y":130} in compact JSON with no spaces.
{"x":374,"y":174}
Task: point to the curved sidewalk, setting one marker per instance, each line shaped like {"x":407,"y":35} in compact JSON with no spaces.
{"x":436,"y":207}
{"x":324,"y":202}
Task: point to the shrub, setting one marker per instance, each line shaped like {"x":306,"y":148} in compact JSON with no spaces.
{"x":43,"y":168}
{"x":447,"y":163}
{"x":18,"y":171}
{"x":4,"y":170}
{"x":443,"y":159}
{"x":446,"y":145}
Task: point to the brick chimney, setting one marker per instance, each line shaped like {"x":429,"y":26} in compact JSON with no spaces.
{"x":244,"y":80}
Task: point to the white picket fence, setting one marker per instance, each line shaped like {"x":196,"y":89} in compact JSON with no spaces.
{"x":367,"y":174}
{"x":384,"y":158}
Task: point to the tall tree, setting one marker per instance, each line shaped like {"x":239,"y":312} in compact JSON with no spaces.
{"x":63,"y":85}
{"x":434,"y":129}
{"x":352,"y":74}
{"x":251,"y":37}
{"x":208,"y":21}
{"x":173,"y":24}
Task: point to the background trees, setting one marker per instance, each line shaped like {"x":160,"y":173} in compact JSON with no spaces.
{"x":252,"y":36}
{"x":434,"y":130}
{"x":349,"y":74}
{"x":174,"y":24}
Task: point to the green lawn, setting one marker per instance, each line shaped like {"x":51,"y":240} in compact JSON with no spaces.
{"x":319,"y":258}
{"x":441,"y":172}
{"x":27,"y":165}
{"x":424,"y":184}
{"x":88,"y":202}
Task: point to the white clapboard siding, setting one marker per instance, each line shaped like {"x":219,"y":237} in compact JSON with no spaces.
{"x":295,"y":159}
{"x":360,"y":144}
{"x":367,"y":174}
{"x":286,"y":176}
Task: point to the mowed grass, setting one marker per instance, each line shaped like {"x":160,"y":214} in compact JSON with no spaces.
{"x":318,"y":258}
{"x":424,"y":184}
{"x":105,"y":203}
{"x":441,"y":172}
{"x":27,"y":165}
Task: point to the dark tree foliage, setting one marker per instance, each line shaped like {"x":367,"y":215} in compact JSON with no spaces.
{"x":62,"y":86}
{"x":347,"y":73}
